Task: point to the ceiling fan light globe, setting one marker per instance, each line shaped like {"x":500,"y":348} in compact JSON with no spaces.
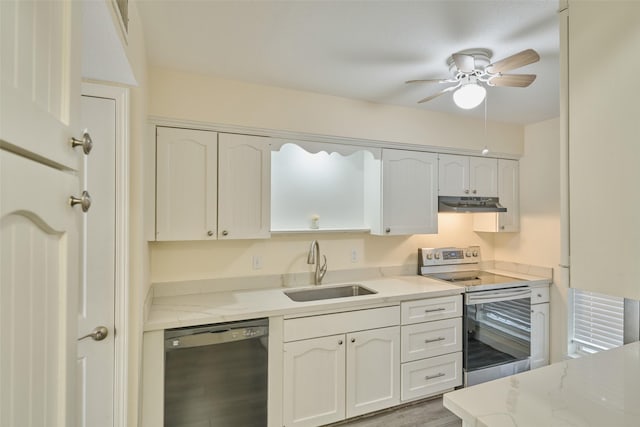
{"x":469,"y":96}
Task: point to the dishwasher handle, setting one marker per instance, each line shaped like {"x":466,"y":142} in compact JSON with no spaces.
{"x":215,"y":336}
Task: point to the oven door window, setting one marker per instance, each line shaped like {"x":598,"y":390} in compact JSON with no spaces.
{"x":497,"y":333}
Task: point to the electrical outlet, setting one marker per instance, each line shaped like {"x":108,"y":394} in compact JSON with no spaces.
{"x":354,"y":255}
{"x":256,"y":262}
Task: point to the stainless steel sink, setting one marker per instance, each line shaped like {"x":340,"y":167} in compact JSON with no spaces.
{"x":350,"y":290}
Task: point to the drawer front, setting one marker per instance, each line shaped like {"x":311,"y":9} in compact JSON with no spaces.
{"x":425,"y":310}
{"x":431,"y":376}
{"x":339,"y":323}
{"x":422,"y":340}
{"x":539,"y":295}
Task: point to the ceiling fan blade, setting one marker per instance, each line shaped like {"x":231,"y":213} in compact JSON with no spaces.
{"x":432,"y":81}
{"x":464,"y":63}
{"x":442,"y":92}
{"x":512,"y":80}
{"x":518,"y":60}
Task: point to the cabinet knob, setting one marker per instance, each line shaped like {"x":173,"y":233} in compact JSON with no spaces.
{"x":340,"y":342}
{"x":86,"y":143}
{"x":502,"y":227}
{"x":474,"y":191}
{"x":209,"y":233}
{"x":466,"y":191}
{"x":225,"y":233}
{"x":387,"y":230}
{"x":539,"y":295}
{"x":353,"y":340}
{"x":84,"y":201}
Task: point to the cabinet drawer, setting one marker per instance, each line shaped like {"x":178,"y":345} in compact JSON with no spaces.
{"x":339,"y":323}
{"x":430,"y":339}
{"x":431,"y":376}
{"x":539,"y":295}
{"x":425,"y":310}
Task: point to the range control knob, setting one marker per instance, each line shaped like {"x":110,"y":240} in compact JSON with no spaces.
{"x":475,"y":254}
{"x":467,"y":254}
{"x":436,"y":255}
{"x":429,"y":255}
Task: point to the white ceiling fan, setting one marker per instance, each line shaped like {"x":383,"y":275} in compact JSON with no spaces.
{"x":472,"y":68}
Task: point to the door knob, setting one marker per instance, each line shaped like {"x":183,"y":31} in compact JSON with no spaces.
{"x":86,"y":143}
{"x":98,"y":334}
{"x":84,"y":201}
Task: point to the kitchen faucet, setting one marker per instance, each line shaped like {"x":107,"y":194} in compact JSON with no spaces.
{"x":314,"y":258}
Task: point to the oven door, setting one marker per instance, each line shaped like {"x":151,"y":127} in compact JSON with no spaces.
{"x":497,"y":338}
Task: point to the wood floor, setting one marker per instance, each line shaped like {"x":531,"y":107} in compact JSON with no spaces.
{"x":429,"y":413}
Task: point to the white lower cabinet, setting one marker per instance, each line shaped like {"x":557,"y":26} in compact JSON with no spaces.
{"x":539,"y":326}
{"x":314,"y":381}
{"x":330,"y":378}
{"x":539,"y":335}
{"x":431,"y":346}
{"x":431,"y":376}
{"x":373,"y":380}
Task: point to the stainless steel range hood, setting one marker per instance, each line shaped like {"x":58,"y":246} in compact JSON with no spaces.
{"x":469,"y":204}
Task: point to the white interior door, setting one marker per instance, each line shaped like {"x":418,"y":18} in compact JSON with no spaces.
{"x":38,"y":282}
{"x":96,"y":358}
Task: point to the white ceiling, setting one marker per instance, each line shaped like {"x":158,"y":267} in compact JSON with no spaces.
{"x":360,"y":49}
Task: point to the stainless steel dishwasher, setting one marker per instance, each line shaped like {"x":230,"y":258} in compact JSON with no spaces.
{"x":216,"y":375}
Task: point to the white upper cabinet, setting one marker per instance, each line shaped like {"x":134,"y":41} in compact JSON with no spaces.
{"x":509,"y":194}
{"x":186,"y":184}
{"x":208,"y":189}
{"x":404,"y":209}
{"x":40,"y":77}
{"x":244,"y":172}
{"x":467,"y":176}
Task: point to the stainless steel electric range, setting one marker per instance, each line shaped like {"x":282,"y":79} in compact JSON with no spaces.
{"x":497,"y":313}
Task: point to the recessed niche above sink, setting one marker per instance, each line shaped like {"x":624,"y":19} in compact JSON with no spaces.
{"x":317,"y":187}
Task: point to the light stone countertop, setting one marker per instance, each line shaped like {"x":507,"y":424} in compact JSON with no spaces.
{"x":600,"y":390}
{"x":198,"y":308}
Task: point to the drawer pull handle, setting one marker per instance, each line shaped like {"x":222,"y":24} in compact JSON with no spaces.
{"x":431,"y":310}
{"x":434,"y":340}
{"x":431,"y":377}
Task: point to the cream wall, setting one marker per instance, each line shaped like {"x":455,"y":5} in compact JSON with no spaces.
{"x":179,"y":95}
{"x":187,"y":96}
{"x":287,"y":253}
{"x":538,"y":242}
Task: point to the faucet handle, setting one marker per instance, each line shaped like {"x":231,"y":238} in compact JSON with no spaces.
{"x":323,"y":268}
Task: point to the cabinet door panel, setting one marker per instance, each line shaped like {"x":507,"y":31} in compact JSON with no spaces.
{"x":244,"y":187}
{"x":314,"y":381}
{"x":39,"y":274}
{"x":539,"y":335}
{"x":483,"y":177}
{"x":509,"y":194}
{"x":407,"y":210}
{"x":40,"y":77}
{"x":453,"y":172}
{"x":509,"y":191}
{"x":373,"y":375}
{"x":186,"y":185}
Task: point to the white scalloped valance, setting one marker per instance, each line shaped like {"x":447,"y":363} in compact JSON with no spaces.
{"x":317,"y":147}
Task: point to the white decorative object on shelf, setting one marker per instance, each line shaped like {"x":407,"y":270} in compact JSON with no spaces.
{"x":315,"y":222}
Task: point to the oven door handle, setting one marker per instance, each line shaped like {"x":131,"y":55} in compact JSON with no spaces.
{"x":501,"y":295}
